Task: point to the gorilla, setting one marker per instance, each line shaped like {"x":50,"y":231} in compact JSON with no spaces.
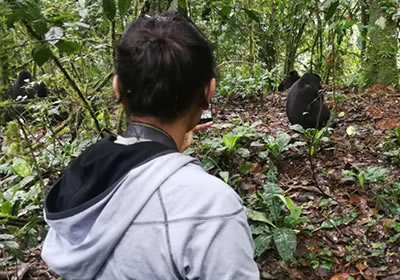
{"x":21,"y":87}
{"x":289,"y":80}
{"x":305,"y":103}
{"x":20,"y":91}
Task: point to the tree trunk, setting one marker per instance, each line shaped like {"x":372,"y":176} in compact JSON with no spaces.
{"x":364,"y":30}
{"x":381,"y":64}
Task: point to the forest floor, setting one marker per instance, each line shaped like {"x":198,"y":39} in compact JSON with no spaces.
{"x":364,"y":246}
{"x":363,"y":242}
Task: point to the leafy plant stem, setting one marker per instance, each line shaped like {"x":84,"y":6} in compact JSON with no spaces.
{"x":70,"y":80}
{"x":33,"y":158}
{"x":314,"y":176}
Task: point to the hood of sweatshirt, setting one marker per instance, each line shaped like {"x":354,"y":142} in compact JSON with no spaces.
{"x":94,"y":202}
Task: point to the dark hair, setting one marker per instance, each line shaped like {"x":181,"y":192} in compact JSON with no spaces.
{"x":163,"y":63}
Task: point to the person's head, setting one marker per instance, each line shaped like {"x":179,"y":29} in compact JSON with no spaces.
{"x":164,"y":68}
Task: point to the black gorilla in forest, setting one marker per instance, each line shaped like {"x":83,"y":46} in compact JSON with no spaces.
{"x":289,"y":80}
{"x":21,"y":88}
{"x":305,"y":104}
{"x":20,"y":91}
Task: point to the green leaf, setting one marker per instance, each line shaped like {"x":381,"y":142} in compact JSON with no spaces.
{"x":40,"y":26}
{"x":271,"y":188}
{"x":123,"y":6}
{"x":226,"y":10}
{"x":41,"y":54}
{"x":262,"y":243}
{"x":331,"y":10}
{"x":338,"y":221}
{"x":258,"y":216}
{"x":230,"y":142}
{"x":109,"y":9}
{"x":15,"y":252}
{"x":224,"y":175}
{"x":207,"y":164}
{"x":6,"y":208}
{"x":21,"y":167}
{"x":253,"y":15}
{"x":67,"y":47}
{"x":295,"y":211}
{"x":285,"y":242}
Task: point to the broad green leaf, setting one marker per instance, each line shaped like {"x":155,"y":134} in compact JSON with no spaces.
{"x":6,"y":207}
{"x":262,"y":243}
{"x":41,"y":54}
{"x":226,"y":10}
{"x":13,"y":17}
{"x":123,"y":6}
{"x":230,"y":142}
{"x":67,"y":47}
{"x":331,"y":10}
{"x":21,"y":167}
{"x":109,"y":9}
{"x":253,"y":15}
{"x":285,"y":242}
{"x":258,"y":216}
{"x":40,"y":26}
{"x":295,"y":211}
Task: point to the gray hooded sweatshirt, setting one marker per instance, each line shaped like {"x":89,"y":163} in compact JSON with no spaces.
{"x":134,"y":208}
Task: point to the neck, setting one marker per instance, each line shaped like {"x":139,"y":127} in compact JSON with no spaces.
{"x":176,"y":129}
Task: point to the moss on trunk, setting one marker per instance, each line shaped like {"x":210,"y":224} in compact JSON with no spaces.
{"x":381,"y":61}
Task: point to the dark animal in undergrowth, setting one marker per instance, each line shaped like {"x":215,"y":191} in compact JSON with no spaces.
{"x":305,"y":103}
{"x":289,"y":80}
{"x":20,"y":92}
{"x":22,"y":87}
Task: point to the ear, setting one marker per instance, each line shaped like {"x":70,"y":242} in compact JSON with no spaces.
{"x":116,"y":88}
{"x":209,"y":91}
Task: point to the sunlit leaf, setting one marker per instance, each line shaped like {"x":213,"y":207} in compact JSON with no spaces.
{"x":21,"y":167}
{"x":224,"y":175}
{"x":54,"y":34}
{"x":351,"y":130}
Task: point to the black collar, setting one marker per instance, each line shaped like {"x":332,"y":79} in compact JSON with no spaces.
{"x":147,"y":131}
